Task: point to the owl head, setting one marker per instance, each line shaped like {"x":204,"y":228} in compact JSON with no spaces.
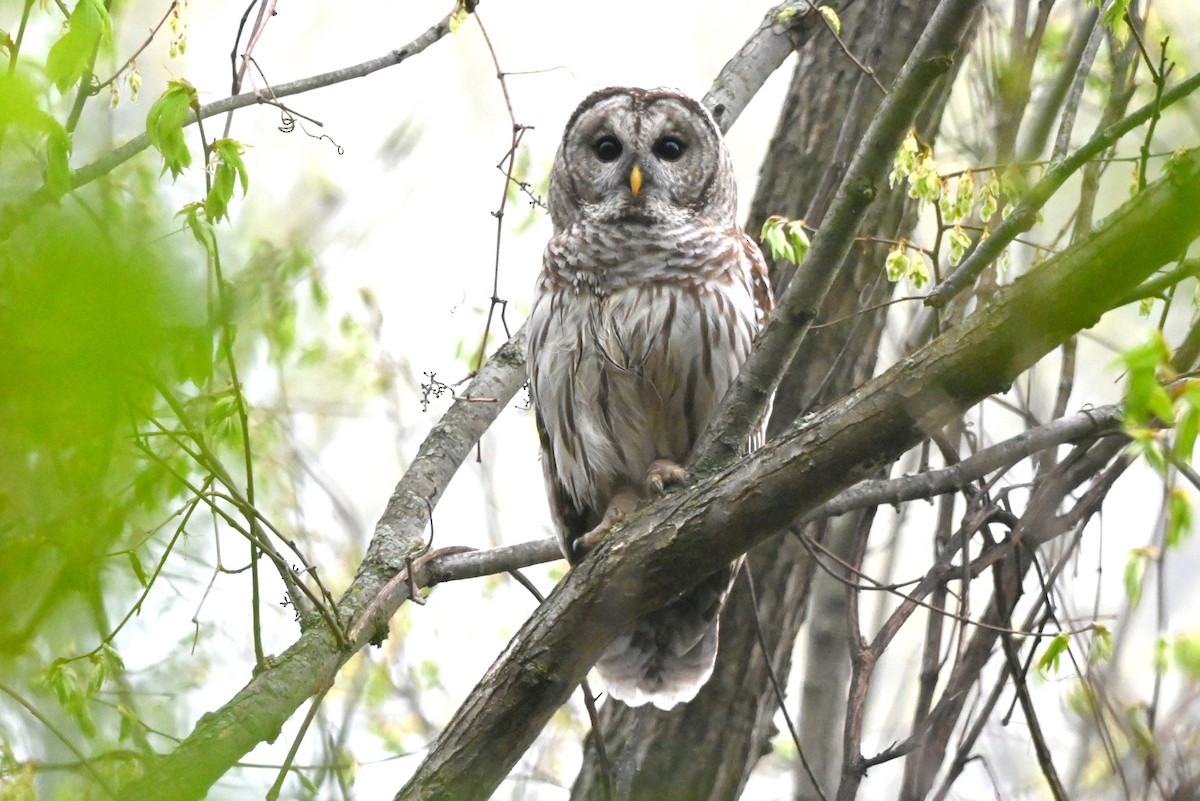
{"x":641,"y":156}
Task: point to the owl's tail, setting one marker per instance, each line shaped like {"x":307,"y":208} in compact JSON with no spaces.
{"x":665,"y":657}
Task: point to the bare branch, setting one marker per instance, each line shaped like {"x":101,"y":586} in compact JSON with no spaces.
{"x":784,"y":28}
{"x":689,"y":534}
{"x":743,"y":406}
{"x":1003,"y":455}
{"x":12,"y":214}
{"x":270,"y":697}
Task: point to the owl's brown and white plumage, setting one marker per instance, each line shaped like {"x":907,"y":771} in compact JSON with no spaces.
{"x":648,"y":302}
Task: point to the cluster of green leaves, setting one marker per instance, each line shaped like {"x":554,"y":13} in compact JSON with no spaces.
{"x":960,"y":198}
{"x":786,"y":240}
{"x":165,"y":121}
{"x":1161,"y":409}
{"x":72,"y":56}
{"x":1162,"y":420}
{"x":1101,"y":648}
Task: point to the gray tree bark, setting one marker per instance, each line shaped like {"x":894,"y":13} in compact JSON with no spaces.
{"x":706,"y":749}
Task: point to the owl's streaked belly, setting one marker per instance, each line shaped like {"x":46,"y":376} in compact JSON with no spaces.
{"x":633,"y":375}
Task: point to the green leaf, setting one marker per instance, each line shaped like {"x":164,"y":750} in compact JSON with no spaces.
{"x":164,"y":125}
{"x":1053,"y":653}
{"x":1179,"y":517}
{"x":896,"y":264}
{"x":924,"y":182}
{"x":228,"y":169}
{"x":202,"y":230}
{"x":1187,"y":655}
{"x":906,"y":159}
{"x":1102,"y":644}
{"x":991,"y":197}
{"x":964,"y":195}
{"x":71,"y":56}
{"x":1115,"y":13}
{"x":135,"y":562}
{"x":458,"y":16}
{"x":58,"y":167}
{"x":1135,"y":572}
{"x":1146,"y":442}
{"x":960,"y":240}
{"x":116,"y":663}
{"x":1146,"y":400}
{"x":831,"y":19}
{"x":97,"y":677}
{"x":1187,"y":423}
{"x":918,"y":272}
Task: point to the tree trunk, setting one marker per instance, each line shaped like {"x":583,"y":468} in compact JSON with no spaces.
{"x":707,"y":748}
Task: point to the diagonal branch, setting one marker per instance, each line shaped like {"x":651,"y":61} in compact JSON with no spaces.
{"x":745,"y":402}
{"x":260,"y":709}
{"x":1024,"y":215}
{"x":783,"y":30}
{"x":661,"y":551}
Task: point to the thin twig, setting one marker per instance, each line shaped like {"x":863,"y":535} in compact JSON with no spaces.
{"x":870,"y":73}
{"x":776,"y":686}
{"x":15,"y":213}
{"x":86,"y":763}
{"x":149,"y":39}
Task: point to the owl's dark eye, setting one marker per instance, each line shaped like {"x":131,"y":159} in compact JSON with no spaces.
{"x":607,"y":148}
{"x":669,"y":148}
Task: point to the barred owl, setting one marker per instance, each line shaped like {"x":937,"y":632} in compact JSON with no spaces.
{"x":646,"y":307}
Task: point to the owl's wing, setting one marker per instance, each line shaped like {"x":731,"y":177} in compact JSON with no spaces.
{"x":760,"y":279}
{"x":764,"y":304}
{"x":570,"y":522}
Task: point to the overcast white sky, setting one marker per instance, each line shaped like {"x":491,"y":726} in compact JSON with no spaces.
{"x":417,"y":184}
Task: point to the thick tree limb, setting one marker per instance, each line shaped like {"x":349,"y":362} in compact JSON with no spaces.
{"x":665,"y":547}
{"x":257,"y":713}
{"x":726,"y":434}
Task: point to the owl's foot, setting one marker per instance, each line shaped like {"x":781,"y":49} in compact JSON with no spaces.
{"x":621,"y":505}
{"x":664,"y":473}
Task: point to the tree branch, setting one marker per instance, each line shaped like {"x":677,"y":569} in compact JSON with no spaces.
{"x":13,"y":214}
{"x":257,"y":713}
{"x":876,"y":492}
{"x":783,"y":30}
{"x":667,"y":546}
{"x":1025,"y":214}
{"x":727,"y":433}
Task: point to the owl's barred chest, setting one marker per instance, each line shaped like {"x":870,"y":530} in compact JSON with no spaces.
{"x":625,"y":375}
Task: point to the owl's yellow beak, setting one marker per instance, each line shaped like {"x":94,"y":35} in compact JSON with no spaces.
{"x":635,"y":180}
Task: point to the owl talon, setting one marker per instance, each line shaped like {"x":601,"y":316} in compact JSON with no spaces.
{"x":624,"y":502}
{"x":664,"y":473}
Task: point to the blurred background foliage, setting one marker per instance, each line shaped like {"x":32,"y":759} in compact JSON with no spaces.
{"x":172,"y":384}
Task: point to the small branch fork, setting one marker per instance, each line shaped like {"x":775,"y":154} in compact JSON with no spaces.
{"x":507,"y":165}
